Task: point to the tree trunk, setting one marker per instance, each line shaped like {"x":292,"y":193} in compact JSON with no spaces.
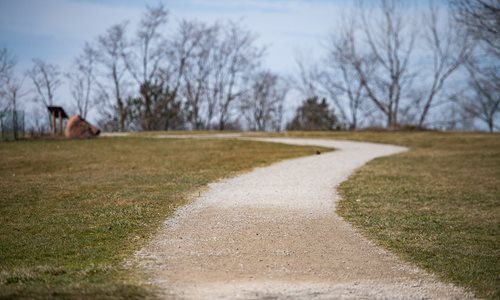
{"x":121,"y":115}
{"x":222,"y":125}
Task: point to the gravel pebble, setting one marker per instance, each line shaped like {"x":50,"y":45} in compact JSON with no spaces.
{"x":273,"y":233}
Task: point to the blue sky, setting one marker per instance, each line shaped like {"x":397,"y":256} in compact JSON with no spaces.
{"x":56,"y":30}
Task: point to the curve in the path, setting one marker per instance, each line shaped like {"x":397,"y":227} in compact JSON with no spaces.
{"x":273,"y":234}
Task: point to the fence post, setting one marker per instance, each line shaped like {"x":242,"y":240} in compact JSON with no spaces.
{"x":23,"y":135}
{"x":60,"y":123}
{"x":14,"y":124}
{"x":53,"y":123}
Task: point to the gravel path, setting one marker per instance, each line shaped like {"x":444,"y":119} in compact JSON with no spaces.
{"x":273,"y":234}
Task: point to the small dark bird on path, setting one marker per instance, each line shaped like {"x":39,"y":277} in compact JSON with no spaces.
{"x":318,"y":152}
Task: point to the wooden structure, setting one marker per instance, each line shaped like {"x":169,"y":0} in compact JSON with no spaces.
{"x":57,"y":112}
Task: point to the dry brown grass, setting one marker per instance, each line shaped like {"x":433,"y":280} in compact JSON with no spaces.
{"x":437,"y":205}
{"x":73,"y":210}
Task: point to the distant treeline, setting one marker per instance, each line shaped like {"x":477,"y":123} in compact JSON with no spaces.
{"x":387,"y":65}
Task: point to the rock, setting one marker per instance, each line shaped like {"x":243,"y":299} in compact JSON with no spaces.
{"x":77,"y":127}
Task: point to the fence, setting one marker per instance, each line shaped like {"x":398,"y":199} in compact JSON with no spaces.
{"x":12,"y":125}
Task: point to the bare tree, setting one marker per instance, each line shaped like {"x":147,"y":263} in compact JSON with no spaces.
{"x":236,"y":57}
{"x":7,"y":64}
{"x":47,"y":79}
{"x":179,"y":51}
{"x":11,"y":90}
{"x":307,"y":77}
{"x":262,"y":105}
{"x":82,"y":79}
{"x":182,"y":74}
{"x":111,"y":47}
{"x":481,"y":18}
{"x":340,"y":78}
{"x":143,"y":60}
{"x":14,"y":92}
{"x":36,"y":123}
{"x":144,"y":63}
{"x":196,"y":77}
{"x":449,"y":50}
{"x":165,"y":110}
{"x":484,"y":103}
{"x":390,"y":43}
{"x":200,"y":68}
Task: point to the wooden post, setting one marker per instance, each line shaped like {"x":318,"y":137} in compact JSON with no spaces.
{"x":53,"y":123}
{"x":60,"y":123}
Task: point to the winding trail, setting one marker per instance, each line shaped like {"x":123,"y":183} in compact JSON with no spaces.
{"x":273,"y":233}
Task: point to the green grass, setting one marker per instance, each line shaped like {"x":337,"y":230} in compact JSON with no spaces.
{"x":72,"y":211}
{"x":437,"y":205}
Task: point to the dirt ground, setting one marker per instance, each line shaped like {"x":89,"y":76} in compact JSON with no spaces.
{"x":273,"y":234}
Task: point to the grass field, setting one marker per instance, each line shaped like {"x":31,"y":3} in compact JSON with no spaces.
{"x":437,"y":205}
{"x":72,"y":211}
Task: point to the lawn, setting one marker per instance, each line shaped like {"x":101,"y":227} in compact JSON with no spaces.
{"x":72,"y":211}
{"x":437,"y":205}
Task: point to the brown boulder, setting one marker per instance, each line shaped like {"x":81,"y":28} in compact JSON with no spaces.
{"x":77,"y":127}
